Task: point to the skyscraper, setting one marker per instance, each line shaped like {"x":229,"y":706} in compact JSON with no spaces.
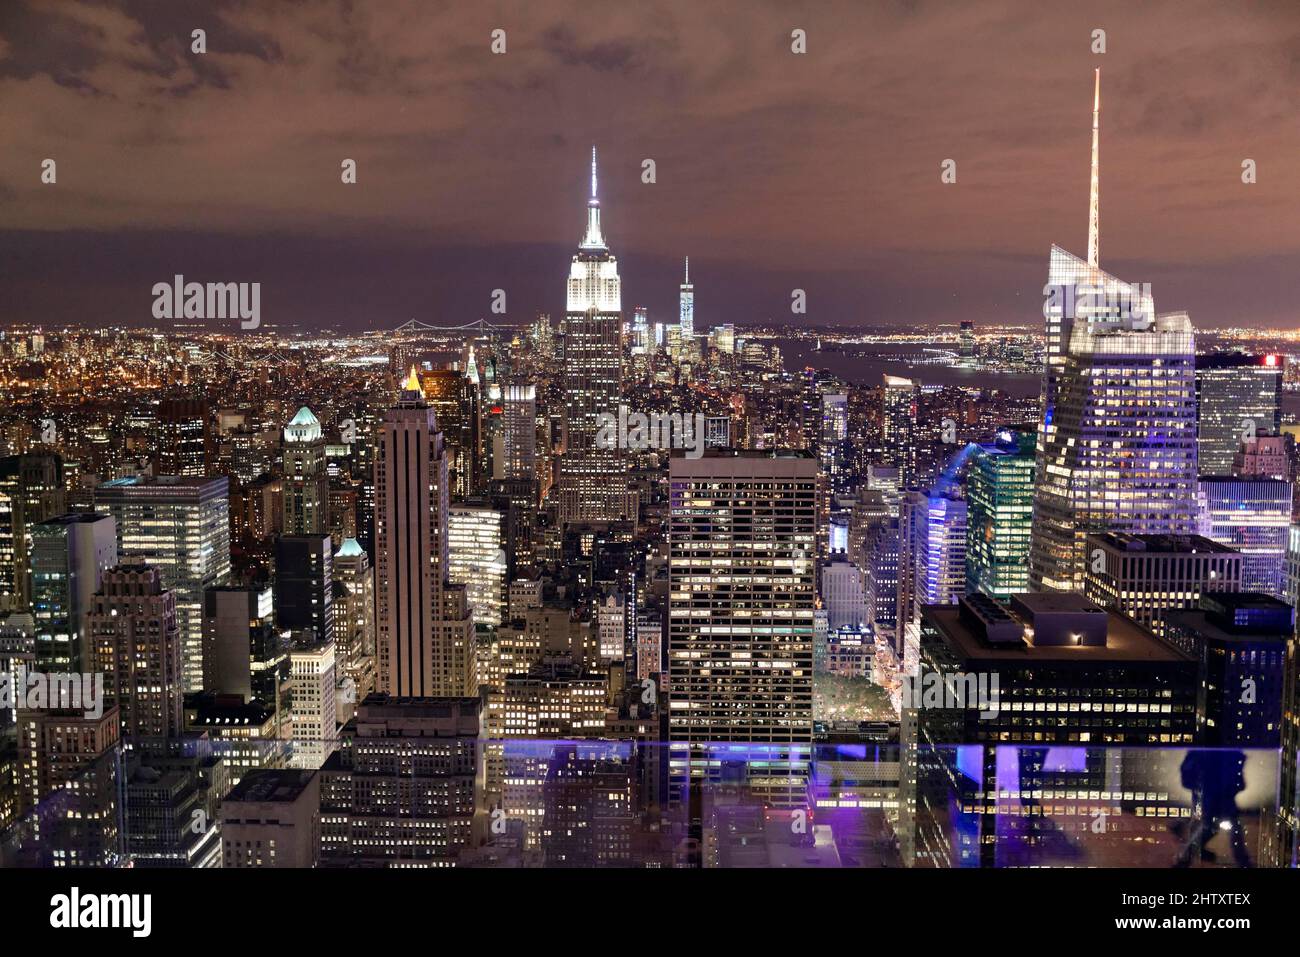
{"x":425,"y":634}
{"x":1000,"y":511}
{"x":1254,"y":517}
{"x":592,"y":481}
{"x":520,"y":432}
{"x":133,"y":638}
{"x":687,"y":314}
{"x":354,"y":618}
{"x":184,"y":437}
{"x":242,"y":654}
{"x":898,"y":427}
{"x":1117,"y":447}
{"x":69,"y":555}
{"x":306,"y":480}
{"x":181,"y":526}
{"x":304,"y":587}
{"x":1237,"y":396}
{"x":31,"y":490}
{"x":741,"y":606}
{"x":476,"y":559}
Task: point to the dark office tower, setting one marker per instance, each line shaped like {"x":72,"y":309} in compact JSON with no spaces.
{"x":304,"y":587}
{"x":134,"y":640}
{"x":405,"y":785}
{"x":242,"y":653}
{"x":1238,"y":396}
{"x":31,"y":490}
{"x":966,"y":343}
{"x":1147,"y":577}
{"x":520,"y":434}
{"x":742,"y":556}
{"x":1286,"y":848}
{"x":453,"y":400}
{"x":55,"y":748}
{"x":184,"y":437}
{"x":170,"y":801}
{"x":1241,"y":641}
{"x":590,"y":808}
{"x":306,"y":478}
{"x":69,"y":554}
{"x":898,"y":427}
{"x":1043,"y":693}
{"x":592,"y":481}
{"x":999,"y":514}
{"x":1117,"y":448}
{"x":182,"y":527}
{"x":424,"y":630}
{"x":881,"y":574}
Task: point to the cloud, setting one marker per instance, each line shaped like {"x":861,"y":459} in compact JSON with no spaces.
{"x":765,"y":158}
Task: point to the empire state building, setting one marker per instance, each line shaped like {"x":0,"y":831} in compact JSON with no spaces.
{"x":592,"y":481}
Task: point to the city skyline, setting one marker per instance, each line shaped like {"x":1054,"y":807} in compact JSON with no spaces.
{"x":818,"y":170}
{"x":593,"y":541}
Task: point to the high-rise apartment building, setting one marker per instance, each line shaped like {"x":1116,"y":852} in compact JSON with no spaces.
{"x":900,"y":399}
{"x":742,"y":533}
{"x":182,"y":527}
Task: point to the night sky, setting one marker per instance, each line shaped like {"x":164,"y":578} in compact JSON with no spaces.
{"x":774,"y":170}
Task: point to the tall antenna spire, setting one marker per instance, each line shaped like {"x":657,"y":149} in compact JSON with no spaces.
{"x":593,"y":239}
{"x":1094,"y":227}
{"x":688,"y":271}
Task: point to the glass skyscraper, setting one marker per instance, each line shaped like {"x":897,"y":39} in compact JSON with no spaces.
{"x":1238,"y":396}
{"x":999,"y":515}
{"x":182,"y":526}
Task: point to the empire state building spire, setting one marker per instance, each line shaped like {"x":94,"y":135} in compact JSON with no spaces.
{"x":594,"y":239}
{"x":1094,"y":227}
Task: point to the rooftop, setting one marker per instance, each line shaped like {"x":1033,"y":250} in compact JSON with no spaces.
{"x":270,"y":786}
